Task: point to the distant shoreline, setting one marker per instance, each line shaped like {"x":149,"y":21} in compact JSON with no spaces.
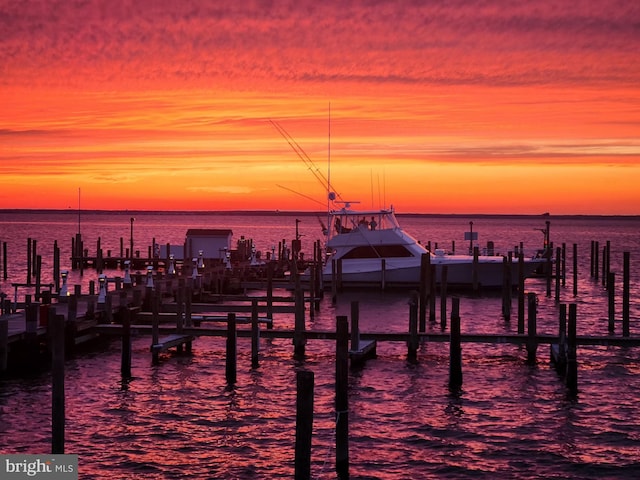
{"x":304,"y":213}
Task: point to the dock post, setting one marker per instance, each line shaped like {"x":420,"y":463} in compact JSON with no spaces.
{"x":432,"y":295}
{"x":383,"y":274}
{"x":155,"y":327}
{"x":564,"y":264}
{"x":572,"y":364}
{"x":231,"y":367}
{"x":299,"y":337}
{"x":413,"y":343}
{"x":270,"y":293}
{"x":71,"y":325}
{"x":443,"y":297}
{"x":255,"y":335}
{"x":591,"y":259}
{"x":29,"y":261}
{"x":559,"y":354}
{"x":4,"y":260}
{"x":57,"y":382}
{"x":596,"y":261}
{"x":506,"y":289}
{"x":334,"y":282}
{"x":342,"y":397}
{"x":558,"y":272}
{"x":125,"y":366}
{"x":4,"y":344}
{"x":304,"y":424}
{"x":532,"y":343}
{"x":455,"y":351}
{"x":474,"y":269}
{"x":625,"y":294}
{"x":575,"y":269}
{"x":611,"y":281}
{"x":520,"y":292}
{"x":424,"y":292}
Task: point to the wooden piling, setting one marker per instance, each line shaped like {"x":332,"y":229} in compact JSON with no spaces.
{"x":611,"y":300}
{"x":342,"y":397}
{"x":443,"y":297}
{"x":270,"y":267}
{"x":4,"y":260}
{"x":474,"y":269}
{"x":575,"y":269}
{"x":564,"y":264}
{"x":506,"y":288}
{"x":559,"y":351}
{"x":383,"y":274}
{"x":572,"y":364}
{"x":558,"y":272}
{"x":125,"y":365}
{"x":520,"y":292}
{"x":425,"y":289}
{"x":299,"y":338}
{"x":29,"y":261}
{"x":455,"y":350}
{"x":231,"y":365}
{"x":596,"y":262}
{"x":532,"y":343}
{"x":304,"y":424}
{"x":625,"y":294}
{"x":155,"y":328}
{"x":57,"y":382}
{"x":414,"y":342}
{"x":4,"y":344}
{"x":255,"y":335}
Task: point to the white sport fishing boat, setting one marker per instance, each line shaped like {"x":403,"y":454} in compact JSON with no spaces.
{"x":368,"y":247}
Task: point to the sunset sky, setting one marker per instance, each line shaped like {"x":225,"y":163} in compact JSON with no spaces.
{"x":435,"y":106}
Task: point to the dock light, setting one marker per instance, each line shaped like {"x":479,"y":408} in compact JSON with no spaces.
{"x":172,"y":266}
{"x":194,"y":272}
{"x":253,"y":256}
{"x":102,"y":288}
{"x":200,"y":259}
{"x":149,"y":277}
{"x":227,"y":260}
{"x":127,"y":273}
{"x":273,"y":252}
{"x":64,"y":289}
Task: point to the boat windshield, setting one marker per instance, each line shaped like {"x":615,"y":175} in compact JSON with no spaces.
{"x":345,"y":221}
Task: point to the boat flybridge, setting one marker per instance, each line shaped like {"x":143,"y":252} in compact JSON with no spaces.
{"x":368,"y":247}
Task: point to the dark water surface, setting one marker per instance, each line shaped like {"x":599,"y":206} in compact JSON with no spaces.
{"x":180,"y":419}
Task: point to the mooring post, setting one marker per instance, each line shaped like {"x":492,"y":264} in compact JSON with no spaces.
{"x":304,"y":424}
{"x":443,"y":297}
{"x":474,"y":268}
{"x":520,"y":292}
{"x":155,"y":327}
{"x":383,"y":274}
{"x":558,"y":272}
{"x":572,"y":363}
{"x":532,"y":342}
{"x":342,"y":397}
{"x":4,"y":344}
{"x":506,"y":288}
{"x":339,"y":275}
{"x":596,"y":261}
{"x":575,"y":269}
{"x":625,"y":294}
{"x":611,"y":281}
{"x":608,"y":262}
{"x":355,"y":325}
{"x":424,"y":291}
{"x":413,"y":343}
{"x":561,"y":358}
{"x":564,"y":264}
{"x":299,"y":337}
{"x":455,"y":350}
{"x":231,"y":369}
{"x":125,"y":366}
{"x":270,"y":266}
{"x":29,"y":261}
{"x":57,"y":382}
{"x":255,"y":335}
{"x":334,"y":282}
{"x":432,"y":294}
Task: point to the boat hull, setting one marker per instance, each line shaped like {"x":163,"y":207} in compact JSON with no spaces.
{"x":487,"y":273}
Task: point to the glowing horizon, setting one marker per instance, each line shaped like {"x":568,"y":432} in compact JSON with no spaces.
{"x":498,"y":109}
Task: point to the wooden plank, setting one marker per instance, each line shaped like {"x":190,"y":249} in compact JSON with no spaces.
{"x":171,"y":341}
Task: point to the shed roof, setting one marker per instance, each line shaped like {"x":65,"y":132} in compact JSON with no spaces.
{"x":208,"y":232}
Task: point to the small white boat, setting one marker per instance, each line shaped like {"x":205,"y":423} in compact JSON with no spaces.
{"x":366,"y":248}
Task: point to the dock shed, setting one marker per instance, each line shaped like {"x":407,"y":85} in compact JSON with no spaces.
{"x":214,"y":243}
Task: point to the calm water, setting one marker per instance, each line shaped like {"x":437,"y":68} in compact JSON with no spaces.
{"x":180,"y":419}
